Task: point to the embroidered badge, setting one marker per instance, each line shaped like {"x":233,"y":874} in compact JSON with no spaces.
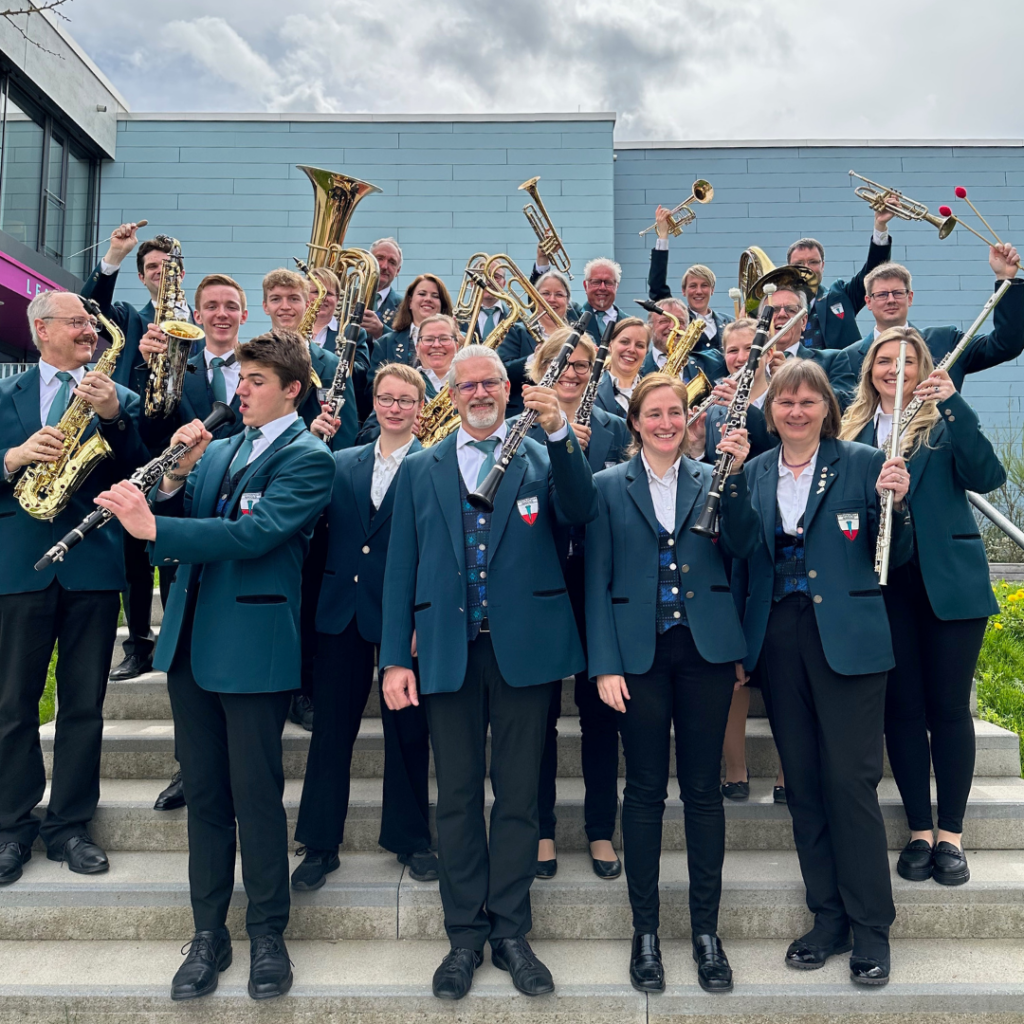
{"x":249,"y":501}
{"x":838,"y":310}
{"x":528,"y":509}
{"x":849,"y":523}
{"x":321,"y":395}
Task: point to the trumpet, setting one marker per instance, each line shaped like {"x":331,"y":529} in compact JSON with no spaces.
{"x":681,"y":215}
{"x":550,"y":244}
{"x":875,"y":196}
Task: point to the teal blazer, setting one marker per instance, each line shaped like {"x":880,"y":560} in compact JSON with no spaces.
{"x":370,"y":430}
{"x":609,"y":439}
{"x":948,"y":547}
{"x":245,"y":637}
{"x":848,"y":604}
{"x":622,"y":568}
{"x":325,"y":364}
{"x":97,"y":563}
{"x":531,"y":620}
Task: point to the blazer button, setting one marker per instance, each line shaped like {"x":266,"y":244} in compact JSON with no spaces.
{"x":817,"y":598}
{"x":689,"y":593}
{"x":685,"y":568}
{"x":813,"y":573}
{"x":951,"y":417}
{"x":366,"y":549}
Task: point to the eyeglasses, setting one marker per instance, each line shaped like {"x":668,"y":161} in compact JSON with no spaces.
{"x":387,"y":401}
{"x":784,"y":405}
{"x":788,"y":310}
{"x":554,"y":295}
{"x":77,"y":322}
{"x":491,"y":386}
{"x":581,"y":367}
{"x":895,"y":293}
{"x":440,"y":339}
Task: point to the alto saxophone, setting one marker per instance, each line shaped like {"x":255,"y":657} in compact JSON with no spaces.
{"x":308,"y":321}
{"x":679,"y":344}
{"x":45,"y":488}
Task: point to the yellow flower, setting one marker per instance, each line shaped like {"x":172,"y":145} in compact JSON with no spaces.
{"x":997,"y":625}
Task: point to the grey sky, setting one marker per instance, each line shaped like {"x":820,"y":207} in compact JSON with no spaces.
{"x":671,"y":69}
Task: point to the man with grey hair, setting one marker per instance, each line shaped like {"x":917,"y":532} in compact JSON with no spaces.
{"x":601,"y":277}
{"x":389,"y":257}
{"x":480,"y":597}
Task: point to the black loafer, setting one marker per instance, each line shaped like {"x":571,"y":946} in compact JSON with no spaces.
{"x":916,"y":861}
{"x":301,"y":711}
{"x":134,"y":665}
{"x":646,"y":971}
{"x":422,"y":865}
{"x":809,"y":956}
{"x":209,"y":953}
{"x":12,"y":856}
{"x":713,"y":971}
{"x":866,"y":970}
{"x":606,"y":869}
{"x":173,"y":796}
{"x":270,"y":970}
{"x":736,"y":790}
{"x":529,"y":975}
{"x":314,"y":869}
{"x":546,"y":868}
{"x":454,"y":976}
{"x":779,"y":795}
{"x":950,"y":865}
{"x":81,"y":855}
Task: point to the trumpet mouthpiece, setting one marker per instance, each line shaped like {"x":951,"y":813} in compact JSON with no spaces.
{"x":945,"y":211}
{"x":961,"y":192}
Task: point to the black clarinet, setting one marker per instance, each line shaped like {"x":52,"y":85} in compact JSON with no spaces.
{"x":335,"y":397}
{"x":707,"y":523}
{"x":483,"y":497}
{"x":586,"y":409}
{"x":143,"y":478}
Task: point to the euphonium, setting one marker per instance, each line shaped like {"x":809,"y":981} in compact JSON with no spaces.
{"x":170,"y":311}
{"x":532,"y":303}
{"x":45,"y":488}
{"x":754,"y":264}
{"x":550,"y":244}
{"x":469,"y":288}
{"x":359,"y":274}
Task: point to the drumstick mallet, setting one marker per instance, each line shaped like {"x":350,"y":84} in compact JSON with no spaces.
{"x":138,"y":224}
{"x":961,"y":193}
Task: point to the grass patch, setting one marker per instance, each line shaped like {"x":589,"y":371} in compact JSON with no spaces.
{"x":1000,"y":671}
{"x":47,"y":706}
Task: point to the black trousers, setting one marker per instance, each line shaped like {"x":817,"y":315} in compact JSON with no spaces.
{"x":684,"y":690}
{"x":312,"y":578}
{"x":229,"y":746}
{"x":167,"y":575}
{"x":930,"y":690}
{"x":83,"y":623}
{"x":485,"y":886}
{"x":828,"y":728}
{"x":599,"y":729}
{"x":344,"y":676}
{"x":138,"y":599}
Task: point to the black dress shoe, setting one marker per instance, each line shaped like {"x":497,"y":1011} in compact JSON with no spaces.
{"x":12,"y":856}
{"x":806,"y":955}
{"x":454,"y":976}
{"x":547,"y":868}
{"x":132,"y":666}
{"x":866,"y":970}
{"x":779,"y":794}
{"x":950,"y":866}
{"x":713,"y":971}
{"x":529,"y":975}
{"x":915,"y":862}
{"x":314,"y":869}
{"x":301,"y":711}
{"x":646,"y":971}
{"x":736,"y":790}
{"x":209,"y":953}
{"x":422,"y":865}
{"x":173,"y":797}
{"x":270,"y":970}
{"x":81,"y":855}
{"x":606,"y":869}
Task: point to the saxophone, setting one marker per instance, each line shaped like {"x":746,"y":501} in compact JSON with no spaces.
{"x":308,"y":321}
{"x":679,"y":344}
{"x":45,"y":488}
{"x":167,"y":371}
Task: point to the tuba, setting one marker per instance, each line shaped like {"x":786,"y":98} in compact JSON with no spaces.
{"x":167,"y":370}
{"x":754,"y":264}
{"x":550,"y":244}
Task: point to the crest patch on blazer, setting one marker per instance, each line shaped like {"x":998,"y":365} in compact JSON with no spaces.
{"x":528,"y":508}
{"x":849,"y":523}
{"x":838,"y":310}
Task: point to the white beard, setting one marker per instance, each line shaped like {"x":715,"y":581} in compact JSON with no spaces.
{"x":483,"y":418}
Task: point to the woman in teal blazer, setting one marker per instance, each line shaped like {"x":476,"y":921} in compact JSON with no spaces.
{"x":663,"y":637}
{"x":938,"y":603}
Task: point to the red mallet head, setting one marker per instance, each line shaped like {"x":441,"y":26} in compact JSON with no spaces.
{"x":961,"y":192}
{"x":945,"y":211}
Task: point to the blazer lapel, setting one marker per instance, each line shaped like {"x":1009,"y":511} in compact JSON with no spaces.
{"x":508,"y":492}
{"x":290,"y":434}
{"x":26,"y":401}
{"x":220,"y":459}
{"x":919,"y":463}
{"x":361,"y":480}
{"x":388,"y":501}
{"x":446,"y":487}
{"x":768,"y":498}
{"x":687,"y":489}
{"x":640,"y":492}
{"x":825,"y":472}
{"x":600,"y":442}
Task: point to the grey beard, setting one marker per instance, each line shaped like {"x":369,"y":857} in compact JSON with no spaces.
{"x":483,"y":419}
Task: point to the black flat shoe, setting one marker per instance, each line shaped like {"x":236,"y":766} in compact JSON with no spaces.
{"x":209,"y":953}
{"x":779,"y":795}
{"x":950,"y":865}
{"x":736,"y":790}
{"x":173,"y":796}
{"x":134,"y":665}
{"x":546,"y":869}
{"x":529,"y":975}
{"x":646,"y":971}
{"x":12,"y":856}
{"x":809,"y":956}
{"x":270,"y":970}
{"x":314,"y":869}
{"x":455,"y":974}
{"x":301,"y":711}
{"x":81,"y":855}
{"x":606,"y":869}
{"x":422,"y":865}
{"x":713,"y":971}
{"x":866,"y":970}
{"x":916,"y":861}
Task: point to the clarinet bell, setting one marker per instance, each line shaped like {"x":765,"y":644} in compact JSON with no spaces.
{"x":482,"y":499}
{"x":707,"y":522}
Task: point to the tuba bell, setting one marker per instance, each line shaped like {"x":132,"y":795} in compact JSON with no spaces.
{"x":335,"y":198}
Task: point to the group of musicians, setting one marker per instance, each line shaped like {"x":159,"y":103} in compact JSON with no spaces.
{"x":298,"y":551}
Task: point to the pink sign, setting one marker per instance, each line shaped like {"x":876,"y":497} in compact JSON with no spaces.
{"x":22,"y":281}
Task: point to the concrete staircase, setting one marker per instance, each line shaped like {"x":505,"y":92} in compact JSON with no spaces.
{"x":104,"y":948}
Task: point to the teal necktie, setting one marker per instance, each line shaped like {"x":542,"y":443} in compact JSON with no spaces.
{"x":220,"y":388}
{"x":60,"y":401}
{"x":241,"y":459}
{"x":490,"y":322}
{"x":487,"y":465}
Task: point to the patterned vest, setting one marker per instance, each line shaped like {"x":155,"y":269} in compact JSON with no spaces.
{"x":476,"y":528}
{"x":790,"y":574}
{"x":670,"y":609}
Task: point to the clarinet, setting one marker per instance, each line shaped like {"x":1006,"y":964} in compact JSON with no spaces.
{"x":483,"y":497}
{"x":335,"y":397}
{"x":143,"y":478}
{"x":707,"y":522}
{"x":586,"y":409}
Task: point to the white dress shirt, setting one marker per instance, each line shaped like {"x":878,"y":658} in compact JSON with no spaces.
{"x":381,"y":296}
{"x":472,"y":458}
{"x":883,"y":427}
{"x":49,"y":386}
{"x":231,"y":373}
{"x":663,"y":492}
{"x":660,"y":358}
{"x":793,"y":491}
{"x":321,"y":335}
{"x":384,"y":469}
{"x":623,"y":395}
{"x":438,"y":382}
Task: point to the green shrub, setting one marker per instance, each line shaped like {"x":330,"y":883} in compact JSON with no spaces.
{"x":1000,"y":671}
{"x":1008,"y":499}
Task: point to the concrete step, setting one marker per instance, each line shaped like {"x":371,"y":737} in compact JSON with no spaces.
{"x":125,"y":819}
{"x":144,"y":749}
{"x":934,"y":981}
{"x":371,"y":896}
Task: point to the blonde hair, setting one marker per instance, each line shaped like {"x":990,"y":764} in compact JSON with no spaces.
{"x":650,"y":383}
{"x":328,"y":278}
{"x":283,"y":278}
{"x":404,"y":373}
{"x":698,"y":270}
{"x":862,"y":410}
{"x":543,"y":355}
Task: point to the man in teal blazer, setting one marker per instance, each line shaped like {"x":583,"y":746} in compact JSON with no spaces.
{"x":482,"y":598}
{"x":239,"y":529}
